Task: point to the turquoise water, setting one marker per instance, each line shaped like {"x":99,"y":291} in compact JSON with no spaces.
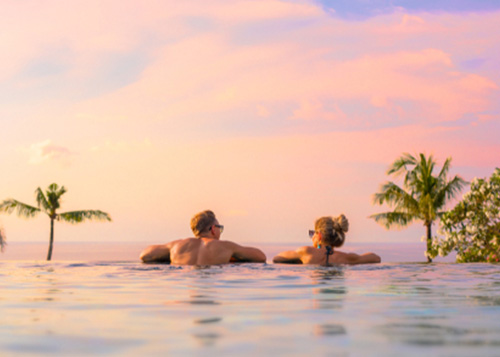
{"x":129,"y":309}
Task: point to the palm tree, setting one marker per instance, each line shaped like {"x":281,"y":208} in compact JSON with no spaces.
{"x":3,"y":243}
{"x":49,"y":203}
{"x":422,"y":197}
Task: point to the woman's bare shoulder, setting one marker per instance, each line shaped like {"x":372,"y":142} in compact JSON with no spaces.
{"x":305,"y":250}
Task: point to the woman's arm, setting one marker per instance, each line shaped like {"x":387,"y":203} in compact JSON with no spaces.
{"x":367,"y":258}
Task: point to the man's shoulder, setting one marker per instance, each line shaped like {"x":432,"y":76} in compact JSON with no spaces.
{"x":190,"y":239}
{"x":183,"y":241}
{"x":230,"y":245}
{"x":226,"y":243}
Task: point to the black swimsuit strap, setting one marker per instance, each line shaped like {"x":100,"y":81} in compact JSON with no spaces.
{"x":329,"y":251}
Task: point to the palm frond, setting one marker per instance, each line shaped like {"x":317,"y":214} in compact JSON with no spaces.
{"x":389,"y":219}
{"x":54,"y":193}
{"x":394,"y":195}
{"x":54,"y":188}
{"x":449,"y":190}
{"x":420,"y":180}
{"x":454,"y":186}
{"x":400,"y":165}
{"x":81,"y":216}
{"x":445,"y":169}
{"x":23,"y":210}
{"x":41,"y":200}
{"x":426,"y":163}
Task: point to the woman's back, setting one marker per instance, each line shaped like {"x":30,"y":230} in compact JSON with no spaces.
{"x":318,"y":256}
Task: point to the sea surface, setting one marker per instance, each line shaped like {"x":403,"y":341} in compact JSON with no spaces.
{"x":126,"y":308}
{"x":134,"y":309}
{"x":129,"y":251}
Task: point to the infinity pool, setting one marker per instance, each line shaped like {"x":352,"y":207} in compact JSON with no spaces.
{"x":132,"y":309}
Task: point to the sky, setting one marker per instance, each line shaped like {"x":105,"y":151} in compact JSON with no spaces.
{"x":271,"y":113}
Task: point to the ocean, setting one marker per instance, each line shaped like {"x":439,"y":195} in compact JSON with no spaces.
{"x":129,"y":251}
{"x":98,"y":299}
{"x":133,"y":309}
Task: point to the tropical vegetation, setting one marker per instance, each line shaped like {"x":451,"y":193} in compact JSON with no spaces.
{"x":472,"y":228}
{"x":422,"y":196}
{"x":3,"y":242}
{"x":48,"y":203}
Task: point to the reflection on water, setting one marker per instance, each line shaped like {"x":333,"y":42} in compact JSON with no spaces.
{"x":329,"y":330}
{"x":330,"y":299}
{"x":124,"y":309}
{"x":438,"y":335}
{"x":330,"y":295}
{"x":487,"y":300}
{"x":206,"y":339}
{"x":208,"y":321}
{"x":204,"y":295}
{"x":324,"y":274}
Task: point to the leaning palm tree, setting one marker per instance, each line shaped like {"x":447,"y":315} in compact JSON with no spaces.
{"x":49,"y":203}
{"x":422,"y":197}
{"x":3,"y":243}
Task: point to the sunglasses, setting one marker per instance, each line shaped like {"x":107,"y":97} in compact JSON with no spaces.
{"x":311,"y":233}
{"x":220,"y":226}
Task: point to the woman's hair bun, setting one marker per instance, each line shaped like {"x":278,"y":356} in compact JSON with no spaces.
{"x":342,"y":223}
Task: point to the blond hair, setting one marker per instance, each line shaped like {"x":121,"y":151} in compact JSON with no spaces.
{"x":332,"y":229}
{"x":202,"y":222}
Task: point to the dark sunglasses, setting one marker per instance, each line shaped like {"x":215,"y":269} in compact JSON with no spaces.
{"x":220,"y":226}
{"x":311,"y":233}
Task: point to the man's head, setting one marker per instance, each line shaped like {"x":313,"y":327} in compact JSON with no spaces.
{"x":204,"y":224}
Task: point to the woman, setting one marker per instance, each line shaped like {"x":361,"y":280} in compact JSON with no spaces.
{"x":328,"y":234}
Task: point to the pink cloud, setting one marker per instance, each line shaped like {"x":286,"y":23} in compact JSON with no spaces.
{"x":334,"y":101}
{"x":46,"y":151}
{"x":313,"y":109}
{"x":207,"y":73}
{"x":262,"y":111}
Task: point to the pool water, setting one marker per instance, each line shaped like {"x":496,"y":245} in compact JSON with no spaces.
{"x":130,"y":309}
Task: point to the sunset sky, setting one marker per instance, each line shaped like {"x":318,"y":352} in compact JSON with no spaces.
{"x":271,"y":113}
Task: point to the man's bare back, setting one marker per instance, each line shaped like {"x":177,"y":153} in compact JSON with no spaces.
{"x":201,"y":251}
{"x":205,"y":249}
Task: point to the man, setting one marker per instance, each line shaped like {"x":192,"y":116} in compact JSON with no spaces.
{"x":205,"y":249}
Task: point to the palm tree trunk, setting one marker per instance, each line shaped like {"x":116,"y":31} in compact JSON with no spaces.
{"x":429,"y":240}
{"x":2,"y":240}
{"x":49,"y":255}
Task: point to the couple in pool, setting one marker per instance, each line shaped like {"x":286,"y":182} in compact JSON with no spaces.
{"x":207,"y":249}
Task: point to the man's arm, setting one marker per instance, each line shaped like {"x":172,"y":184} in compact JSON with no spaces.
{"x":288,"y":257}
{"x":246,"y":254}
{"x":367,"y":258}
{"x":156,"y":254}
